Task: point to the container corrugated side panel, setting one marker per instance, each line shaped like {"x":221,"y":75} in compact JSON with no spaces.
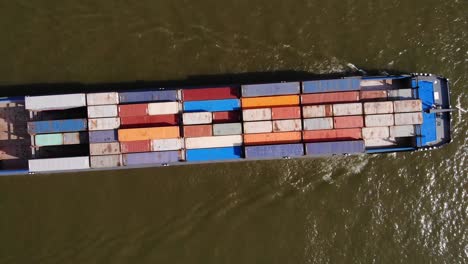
{"x":133,"y":134}
{"x":135,"y":146}
{"x":167,"y":144}
{"x":403,"y":131}
{"x":146,"y":158}
{"x":215,"y":93}
{"x":48,"y":140}
{"x":415,"y":118}
{"x":407,"y":106}
{"x":57,"y":126}
{"x":214,"y":154}
{"x":311,"y":111}
{"x":337,"y":85}
{"x":55,"y":102}
{"x":287,"y":125}
{"x":379,"y":120}
{"x":257,"y":114}
{"x":332,"y":134}
{"x":347,"y":109}
{"x":227,"y":129}
{"x":400,"y":94}
{"x":274,"y":151}
{"x":96,"y":111}
{"x":147,"y":96}
{"x":348,"y":121}
{"x":59,"y":164}
{"x":196,"y":118}
{"x":269,"y":89}
{"x":213,"y":142}
{"x":325,"y":98}
{"x":107,"y":161}
{"x":103,"y":136}
{"x":103,"y":123}
{"x":380,"y":142}
{"x":334,"y":148}
{"x":372,"y":108}
{"x":258,"y":127}
{"x":198,"y":131}
{"x":285,"y":112}
{"x":104,"y":148}
{"x":375,"y":132}
{"x":269,"y":101}
{"x":149,"y":121}
{"x":133,"y":110}
{"x":272,"y":138}
{"x":318,"y":123}
{"x":109,"y":98}
{"x":226,"y":116}
{"x":212,"y":105}
{"x":75,"y":138}
{"x":164,"y":108}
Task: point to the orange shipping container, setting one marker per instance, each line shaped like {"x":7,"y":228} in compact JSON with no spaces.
{"x":334,"y":134}
{"x":286,"y":112}
{"x":134,"y":134}
{"x":266,"y":138}
{"x":265,"y":101}
{"x":348,"y":121}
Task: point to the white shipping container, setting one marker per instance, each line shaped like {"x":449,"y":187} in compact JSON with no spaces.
{"x":258,"y":127}
{"x":59,"y":164}
{"x":380,"y":142}
{"x":375,"y":132}
{"x":55,"y":102}
{"x":104,"y":148}
{"x":167,"y":144}
{"x":164,"y":108}
{"x":256,"y":114}
{"x":400,"y":94}
{"x":287,"y":125}
{"x":103,"y":123}
{"x":403,"y":106}
{"x":318,"y":123}
{"x":372,"y":108}
{"x":379,"y":120}
{"x":96,"y":111}
{"x":102,"y":98}
{"x":403,"y":131}
{"x":197,"y":118}
{"x":213,"y":142}
{"x":227,"y":129}
{"x":107,"y":161}
{"x":310,"y":111}
{"x":347,"y":109}
{"x":408,"y":118}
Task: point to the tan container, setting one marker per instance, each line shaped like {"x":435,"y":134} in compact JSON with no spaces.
{"x":96,"y":149}
{"x":347,"y":109}
{"x":98,"y":111}
{"x":379,"y":120}
{"x":373,"y":108}
{"x":164,"y":108}
{"x":379,"y":142}
{"x":375,"y":132}
{"x":270,"y":138}
{"x":408,"y":118}
{"x":107,"y":161}
{"x":403,"y":131}
{"x":287,"y":125}
{"x":102,"y":98}
{"x":134,"y":134}
{"x":196,"y":118}
{"x":256,"y":114}
{"x":103,"y":123}
{"x":318,"y":123}
{"x":266,"y":101}
{"x":404,"y":106}
{"x":258,"y":127}
{"x":311,"y":111}
{"x":167,"y":144}
{"x":213,"y":142}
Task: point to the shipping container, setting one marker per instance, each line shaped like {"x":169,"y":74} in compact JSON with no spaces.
{"x":103,"y":136}
{"x":213,"y":142}
{"x":402,"y":131}
{"x":400,"y":94}
{"x":133,"y":110}
{"x":377,"y":95}
{"x":147,"y":96}
{"x":375,"y":132}
{"x":256,"y":114}
{"x":164,"y":108}
{"x":55,"y":102}
{"x":59,"y":164}
{"x":347,"y":109}
{"x":48,"y":140}
{"x":285,"y":112}
{"x":226,"y":117}
{"x":134,"y":134}
{"x":332,"y":134}
{"x":96,"y":111}
{"x":338,"y":85}
{"x":197,"y":118}
{"x":268,"y":101}
{"x":326,"y":98}
{"x":408,"y":118}
{"x":201,"y":94}
{"x":75,"y":138}
{"x":274,"y":151}
{"x":258,"y":127}
{"x":214,"y":154}
{"x":104,"y":123}
{"x":96,"y":149}
{"x":380,"y":142}
{"x":287,"y":125}
{"x":57,"y":126}
{"x":311,"y":111}
{"x":198,"y":131}
{"x":379,"y":120}
{"x":107,"y":161}
{"x":376,"y":84}
{"x":407,"y":106}
{"x":348,"y":121}
{"x":318,"y":123}
{"x":269,"y":89}
{"x":212,"y":105}
{"x":149,"y":121}
{"x":135,"y":146}
{"x":272,"y":138}
{"x":334,"y":148}
{"x":167,"y":144}
{"x":147,"y":158}
{"x":227,"y":129}
{"x":110,"y":98}
{"x":372,"y":108}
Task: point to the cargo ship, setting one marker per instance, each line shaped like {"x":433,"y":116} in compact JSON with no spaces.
{"x":189,"y":125}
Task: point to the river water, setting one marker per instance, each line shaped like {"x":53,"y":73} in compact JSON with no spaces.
{"x":391,"y":208}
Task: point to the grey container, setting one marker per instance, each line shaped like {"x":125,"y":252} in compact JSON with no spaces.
{"x":269,"y":89}
{"x":400,"y":94}
{"x":318,"y":123}
{"x":107,"y":161}
{"x":75,"y":138}
{"x":103,"y":136}
{"x":332,"y":148}
{"x":227,"y":129}
{"x":159,"y":157}
{"x":274,"y":151}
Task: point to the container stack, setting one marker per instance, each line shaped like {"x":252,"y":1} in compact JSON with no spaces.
{"x":149,"y":127}
{"x":212,"y":127}
{"x":272,"y":120}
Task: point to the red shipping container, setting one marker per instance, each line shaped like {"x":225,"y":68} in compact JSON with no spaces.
{"x":210,"y":93}
{"x":226,"y":117}
{"x":323,"y":98}
{"x":377,"y":95}
{"x":348,"y":121}
{"x":198,"y":131}
{"x":148,"y":121}
{"x":135,"y":146}
{"x":332,"y":134}
{"x":287,"y":112}
{"x":133,"y":110}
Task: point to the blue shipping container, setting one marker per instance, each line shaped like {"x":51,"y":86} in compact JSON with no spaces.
{"x":103,"y":136}
{"x":147,"y":96}
{"x":268,"y":89}
{"x":212,"y":105}
{"x":211,"y":154}
{"x":150,"y":158}
{"x":274,"y":151}
{"x":338,"y":147}
{"x":337,"y":85}
{"x":57,"y":126}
